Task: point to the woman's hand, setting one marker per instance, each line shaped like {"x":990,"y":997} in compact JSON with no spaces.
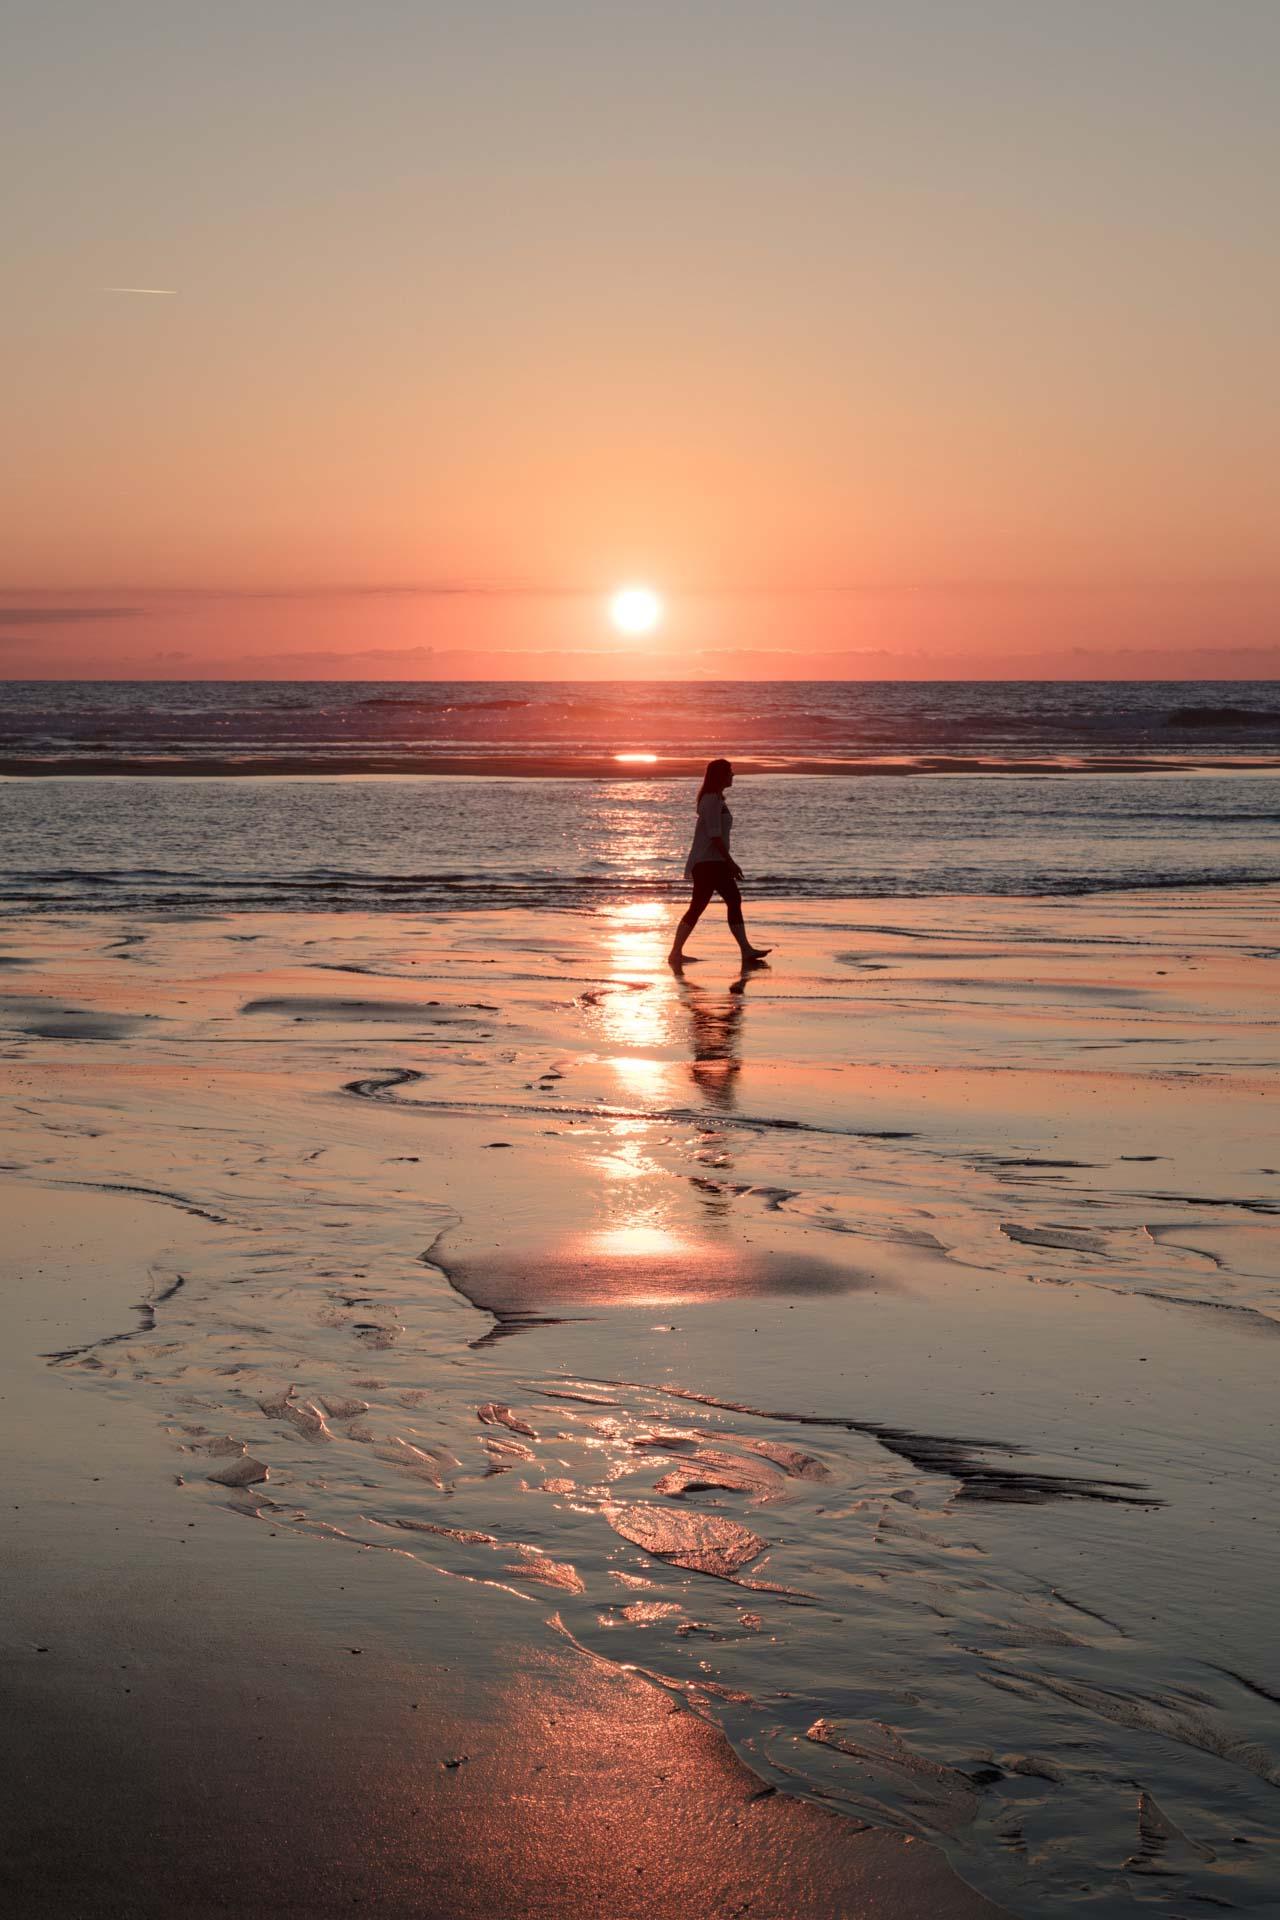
{"x":738,"y":874}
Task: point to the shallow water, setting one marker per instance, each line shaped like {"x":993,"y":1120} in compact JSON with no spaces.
{"x":437,"y":844}
{"x":879,"y":1350}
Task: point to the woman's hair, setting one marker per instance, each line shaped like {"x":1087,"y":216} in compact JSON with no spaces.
{"x":716,"y":778}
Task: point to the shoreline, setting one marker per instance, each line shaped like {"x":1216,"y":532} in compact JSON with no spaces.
{"x":497,"y":766}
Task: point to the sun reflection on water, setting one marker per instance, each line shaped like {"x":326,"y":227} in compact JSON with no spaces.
{"x":644,"y":1079}
{"x":668,"y":1266}
{"x":638,"y":1241}
{"x":627,"y":1156}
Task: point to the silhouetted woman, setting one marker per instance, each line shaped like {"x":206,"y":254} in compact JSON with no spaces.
{"x":712,"y":868}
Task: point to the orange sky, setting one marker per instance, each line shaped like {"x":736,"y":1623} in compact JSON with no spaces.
{"x":919,"y":341}
{"x":955,"y":631}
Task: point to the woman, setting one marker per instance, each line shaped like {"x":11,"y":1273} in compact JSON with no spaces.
{"x":713,"y":869}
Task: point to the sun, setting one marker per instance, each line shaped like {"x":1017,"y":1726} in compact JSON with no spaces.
{"x":636,"y":610}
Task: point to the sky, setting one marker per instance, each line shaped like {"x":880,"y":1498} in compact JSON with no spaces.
{"x":919,"y":338}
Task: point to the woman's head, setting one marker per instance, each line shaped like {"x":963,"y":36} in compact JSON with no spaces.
{"x":718,"y":776}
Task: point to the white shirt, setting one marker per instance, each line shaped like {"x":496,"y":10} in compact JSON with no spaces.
{"x":715,"y":822}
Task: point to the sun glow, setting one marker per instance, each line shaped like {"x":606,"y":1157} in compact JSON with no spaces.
{"x":636,"y":610}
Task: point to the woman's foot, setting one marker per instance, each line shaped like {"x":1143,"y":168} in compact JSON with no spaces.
{"x":755,"y":956}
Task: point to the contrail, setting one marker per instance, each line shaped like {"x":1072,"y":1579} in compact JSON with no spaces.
{"x":140,"y":289}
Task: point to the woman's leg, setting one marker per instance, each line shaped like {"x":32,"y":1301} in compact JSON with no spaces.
{"x":703,"y":888}
{"x":731,"y":894}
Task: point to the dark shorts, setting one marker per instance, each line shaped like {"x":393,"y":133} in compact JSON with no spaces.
{"x":715,"y":876}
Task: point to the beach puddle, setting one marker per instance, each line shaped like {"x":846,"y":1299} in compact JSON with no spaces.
{"x":628,"y":1266}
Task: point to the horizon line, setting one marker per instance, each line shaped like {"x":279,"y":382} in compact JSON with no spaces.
{"x":480,"y":589}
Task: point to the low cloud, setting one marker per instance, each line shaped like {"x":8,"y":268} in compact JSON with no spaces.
{"x":1269,"y":652}
{"x":62,"y":616}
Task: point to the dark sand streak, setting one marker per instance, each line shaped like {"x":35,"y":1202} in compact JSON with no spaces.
{"x":145,"y":1309}
{"x":154,"y":1193}
{"x":1259,"y":1321}
{"x":937,"y":1453}
{"x":1250,"y":1686}
{"x":507,"y":1320}
{"x":382,"y":1086}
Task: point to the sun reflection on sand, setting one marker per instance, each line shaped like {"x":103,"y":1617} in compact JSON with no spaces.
{"x":627,"y":1156}
{"x":644,"y":1079}
{"x":668,"y":1265}
{"x":649,"y":1013}
{"x":636,"y":1241}
{"x":639,"y":1015}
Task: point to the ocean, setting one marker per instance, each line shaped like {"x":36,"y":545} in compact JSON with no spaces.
{"x":430,"y":797}
{"x":323,"y":725}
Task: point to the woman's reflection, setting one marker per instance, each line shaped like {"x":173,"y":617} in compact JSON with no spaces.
{"x":715,"y":1036}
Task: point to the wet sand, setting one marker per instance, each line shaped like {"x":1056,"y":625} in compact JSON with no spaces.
{"x":861,"y":1374}
{"x":209,"y":1719}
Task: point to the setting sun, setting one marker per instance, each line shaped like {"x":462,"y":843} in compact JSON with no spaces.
{"x":635,"y":610}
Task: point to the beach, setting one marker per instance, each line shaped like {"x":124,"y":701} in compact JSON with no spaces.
{"x":639,"y":962}
{"x":842,"y":1396}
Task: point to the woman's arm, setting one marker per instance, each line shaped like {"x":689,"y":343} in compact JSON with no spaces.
{"x":720,"y":846}
{"x":722,"y":853}
{"x":715,"y":824}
